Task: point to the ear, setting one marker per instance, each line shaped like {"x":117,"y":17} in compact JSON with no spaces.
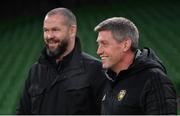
{"x":72,"y":31}
{"x":127,"y":44}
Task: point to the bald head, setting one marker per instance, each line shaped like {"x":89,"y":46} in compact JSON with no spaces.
{"x":69,"y":17}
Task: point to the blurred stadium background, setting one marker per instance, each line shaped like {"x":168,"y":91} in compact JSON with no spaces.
{"x":21,"y":35}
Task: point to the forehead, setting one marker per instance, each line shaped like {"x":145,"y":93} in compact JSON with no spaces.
{"x":54,"y":20}
{"x":105,"y":35}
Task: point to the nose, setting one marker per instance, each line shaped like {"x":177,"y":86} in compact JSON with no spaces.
{"x":99,"y":50}
{"x":49,"y":35}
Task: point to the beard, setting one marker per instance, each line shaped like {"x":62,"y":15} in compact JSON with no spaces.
{"x":59,"y":51}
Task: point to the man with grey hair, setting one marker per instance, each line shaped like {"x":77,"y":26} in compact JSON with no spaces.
{"x":138,"y":82}
{"x":64,"y":80}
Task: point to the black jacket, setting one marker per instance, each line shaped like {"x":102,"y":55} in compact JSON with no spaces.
{"x":143,"y":88}
{"x":72,"y":87}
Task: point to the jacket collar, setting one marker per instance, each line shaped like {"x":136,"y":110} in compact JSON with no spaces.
{"x":71,"y":61}
{"x":113,"y":77}
{"x":72,"y":64}
{"x":144,"y":59}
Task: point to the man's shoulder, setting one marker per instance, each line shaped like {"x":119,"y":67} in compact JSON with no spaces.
{"x":157,"y":76}
{"x":89,"y":57}
{"x":91,"y":61}
{"x":36,"y":66}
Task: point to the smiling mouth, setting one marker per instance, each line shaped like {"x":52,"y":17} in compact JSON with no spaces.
{"x":103,"y":57}
{"x":50,"y":41}
{"x":52,"y":45}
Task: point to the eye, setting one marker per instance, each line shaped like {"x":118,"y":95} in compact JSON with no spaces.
{"x":103,"y":43}
{"x":55,"y":29}
{"x":45,"y":30}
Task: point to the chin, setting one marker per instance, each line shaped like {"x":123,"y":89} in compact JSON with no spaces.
{"x":52,"y":49}
{"x":105,"y":67}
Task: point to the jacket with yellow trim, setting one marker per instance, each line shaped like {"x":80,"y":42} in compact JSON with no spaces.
{"x":143,"y":88}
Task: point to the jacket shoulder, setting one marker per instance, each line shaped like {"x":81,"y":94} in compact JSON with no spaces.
{"x":93,"y":66}
{"x":35,"y":71}
{"x":158,"y":74}
{"x":160,"y":93}
{"x":90,"y":59}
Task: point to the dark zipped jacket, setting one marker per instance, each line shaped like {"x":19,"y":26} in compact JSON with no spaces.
{"x":74,"y":86}
{"x":143,"y":88}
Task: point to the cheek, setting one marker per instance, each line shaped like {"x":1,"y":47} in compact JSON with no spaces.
{"x":115,"y":55}
{"x":45,"y":36}
{"x":113,"y":51}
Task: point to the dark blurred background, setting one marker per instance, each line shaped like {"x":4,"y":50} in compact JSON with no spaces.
{"x":14,"y":8}
{"x":21,"y":35}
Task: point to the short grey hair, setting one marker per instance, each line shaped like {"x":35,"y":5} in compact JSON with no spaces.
{"x":120,"y":28}
{"x":70,"y":18}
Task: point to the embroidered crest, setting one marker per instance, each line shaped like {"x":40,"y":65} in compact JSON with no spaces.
{"x":121,"y":95}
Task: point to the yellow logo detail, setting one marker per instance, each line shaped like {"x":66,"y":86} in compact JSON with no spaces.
{"x":121,"y":95}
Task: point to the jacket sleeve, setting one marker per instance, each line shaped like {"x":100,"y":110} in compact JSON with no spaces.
{"x":159,"y":95}
{"x":24,"y":104}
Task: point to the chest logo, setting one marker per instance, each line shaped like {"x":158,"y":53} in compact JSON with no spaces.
{"x":121,"y":95}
